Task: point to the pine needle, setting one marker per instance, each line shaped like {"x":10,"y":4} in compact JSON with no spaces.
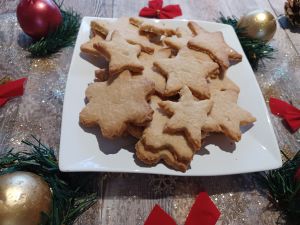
{"x":284,"y":189}
{"x":64,"y":36}
{"x":69,"y":200}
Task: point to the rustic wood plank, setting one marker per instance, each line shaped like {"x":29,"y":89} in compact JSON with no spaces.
{"x":128,"y":199}
{"x":26,"y":115}
{"x":278,"y":77}
{"x":7,"y":6}
{"x":292,"y":32}
{"x":85,"y":8}
{"x":133,"y":200}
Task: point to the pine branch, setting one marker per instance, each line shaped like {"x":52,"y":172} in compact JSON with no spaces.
{"x":69,"y":200}
{"x":64,"y":36}
{"x":284,"y":189}
{"x":254,"y":49}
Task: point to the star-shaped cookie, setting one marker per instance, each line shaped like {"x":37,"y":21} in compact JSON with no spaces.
{"x":149,"y":70}
{"x":117,"y":102}
{"x":187,"y":115}
{"x":187,"y":70}
{"x":214,"y":45}
{"x":222,"y":84}
{"x":152,"y":158}
{"x":88,"y":47}
{"x":120,"y":54}
{"x":226,"y":116}
{"x":155,"y":139}
{"x":152,"y":26}
{"x":183,"y":34}
{"x":126,"y":29}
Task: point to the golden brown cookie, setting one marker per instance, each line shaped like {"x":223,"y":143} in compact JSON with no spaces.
{"x":100,"y":27}
{"x":126,"y":29}
{"x":187,"y":115}
{"x":155,"y":139}
{"x":150,"y":26}
{"x":214,"y":45}
{"x":183,"y":34}
{"x":187,"y":70}
{"x":152,"y":158}
{"x":226,"y":116}
{"x":115,"y":103}
{"x":222,"y":84}
{"x":101,"y":74}
{"x":88,"y":47}
{"x":120,"y":54}
{"x":177,"y":43}
{"x":150,"y":71}
{"x":135,"y":131}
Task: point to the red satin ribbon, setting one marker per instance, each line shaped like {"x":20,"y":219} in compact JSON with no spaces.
{"x":203,"y":212}
{"x":286,"y":111}
{"x":156,"y":10}
{"x":159,"y":217}
{"x":11,"y":89}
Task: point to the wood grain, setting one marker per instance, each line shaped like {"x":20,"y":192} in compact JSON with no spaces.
{"x":128,"y":199}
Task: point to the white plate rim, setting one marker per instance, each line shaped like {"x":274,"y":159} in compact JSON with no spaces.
{"x":66,"y":167}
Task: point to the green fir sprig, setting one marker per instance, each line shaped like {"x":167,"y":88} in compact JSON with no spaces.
{"x":254,"y":49}
{"x":284,"y":188}
{"x":64,"y":36}
{"x":70,"y":199}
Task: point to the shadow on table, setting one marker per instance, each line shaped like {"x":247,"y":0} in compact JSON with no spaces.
{"x":24,"y":41}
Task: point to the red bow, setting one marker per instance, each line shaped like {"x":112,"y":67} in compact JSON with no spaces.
{"x":156,"y":10}
{"x":11,"y":89}
{"x":203,"y":212}
{"x":286,"y":111}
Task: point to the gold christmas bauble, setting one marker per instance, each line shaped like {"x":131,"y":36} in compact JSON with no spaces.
{"x":23,"y":196}
{"x":258,"y":24}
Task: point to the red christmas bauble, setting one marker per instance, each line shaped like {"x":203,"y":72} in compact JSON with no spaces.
{"x":38,"y":18}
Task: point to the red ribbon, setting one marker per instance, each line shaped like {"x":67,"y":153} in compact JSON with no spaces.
{"x":156,"y":10}
{"x":159,"y":217}
{"x":203,"y":212}
{"x":11,"y":89}
{"x":289,"y":113}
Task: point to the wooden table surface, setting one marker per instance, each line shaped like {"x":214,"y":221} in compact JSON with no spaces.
{"x":127,"y":198}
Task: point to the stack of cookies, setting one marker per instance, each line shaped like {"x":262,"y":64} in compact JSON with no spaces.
{"x":166,"y":86}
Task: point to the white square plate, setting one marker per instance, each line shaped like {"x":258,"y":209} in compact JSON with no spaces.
{"x":86,"y":150}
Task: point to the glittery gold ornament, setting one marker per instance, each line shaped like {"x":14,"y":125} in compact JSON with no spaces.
{"x":258,"y":24}
{"x":23,"y":196}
